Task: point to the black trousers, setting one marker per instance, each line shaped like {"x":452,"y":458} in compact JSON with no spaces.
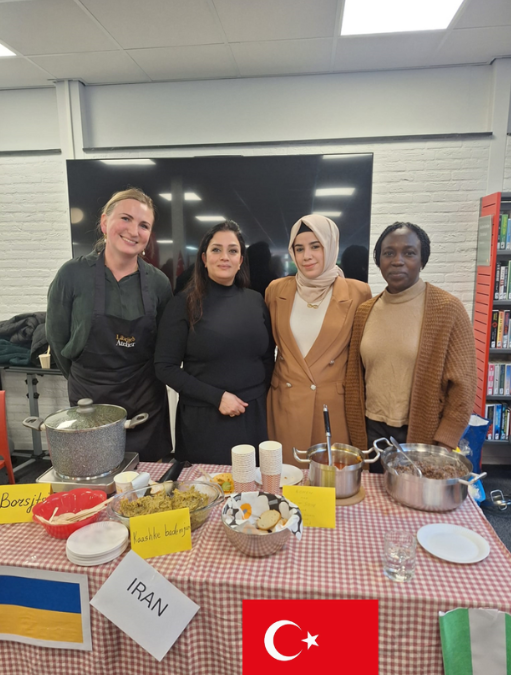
{"x":377,"y":430}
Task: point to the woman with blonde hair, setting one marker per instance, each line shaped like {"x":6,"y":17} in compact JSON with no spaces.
{"x":312,"y":316}
{"x":102,"y":318}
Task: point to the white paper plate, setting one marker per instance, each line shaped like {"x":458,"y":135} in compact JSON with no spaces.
{"x":291,"y":475}
{"x":97,"y":539}
{"x":453,"y":543}
{"x":96,"y":560}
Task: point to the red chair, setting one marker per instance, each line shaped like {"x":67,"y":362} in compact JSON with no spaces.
{"x":4,"y":443}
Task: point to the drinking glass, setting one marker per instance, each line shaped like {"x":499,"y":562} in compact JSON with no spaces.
{"x":399,"y":555}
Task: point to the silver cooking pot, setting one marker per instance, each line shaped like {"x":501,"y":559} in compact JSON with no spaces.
{"x":346,"y":471}
{"x":419,"y":492}
{"x":87,"y":441}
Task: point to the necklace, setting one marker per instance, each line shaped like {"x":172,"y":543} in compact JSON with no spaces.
{"x":311,"y":306}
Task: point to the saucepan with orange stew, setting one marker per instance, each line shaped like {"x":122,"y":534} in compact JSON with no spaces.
{"x":344,"y":474}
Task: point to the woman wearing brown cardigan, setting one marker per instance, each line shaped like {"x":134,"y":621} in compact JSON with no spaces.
{"x":412,"y":364}
{"x":312,"y":316}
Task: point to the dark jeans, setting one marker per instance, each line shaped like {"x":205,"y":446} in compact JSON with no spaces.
{"x":377,"y":430}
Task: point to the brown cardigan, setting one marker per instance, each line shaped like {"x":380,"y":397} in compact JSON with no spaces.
{"x":445,"y":378}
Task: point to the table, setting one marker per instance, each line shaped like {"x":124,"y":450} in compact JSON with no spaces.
{"x":217,"y":577}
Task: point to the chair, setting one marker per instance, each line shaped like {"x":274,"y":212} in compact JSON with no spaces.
{"x":4,"y":442}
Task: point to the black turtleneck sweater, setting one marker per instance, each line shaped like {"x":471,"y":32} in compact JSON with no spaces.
{"x":230,"y":349}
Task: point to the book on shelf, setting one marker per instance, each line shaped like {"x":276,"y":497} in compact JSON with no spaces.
{"x":507,"y":385}
{"x":502,"y":232}
{"x":503,"y":282}
{"x":505,"y":334}
{"x":500,"y":330}
{"x":490,"y":413}
{"x":491,"y":374}
{"x":496,"y":380}
{"x":508,"y":237}
{"x":497,"y":281}
{"x":494,"y":326}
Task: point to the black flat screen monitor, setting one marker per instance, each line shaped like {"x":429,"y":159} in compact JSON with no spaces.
{"x":265,"y":195}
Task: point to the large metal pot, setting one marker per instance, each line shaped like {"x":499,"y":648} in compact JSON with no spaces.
{"x":419,"y":492}
{"x":346,"y":470}
{"x":87,"y":441}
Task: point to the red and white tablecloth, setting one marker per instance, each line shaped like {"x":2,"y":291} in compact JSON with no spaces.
{"x":330,"y":564}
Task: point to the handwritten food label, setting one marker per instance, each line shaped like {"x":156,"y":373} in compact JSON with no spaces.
{"x":317,"y":504}
{"x":161,"y":533}
{"x":16,"y":501}
{"x":143,"y":604}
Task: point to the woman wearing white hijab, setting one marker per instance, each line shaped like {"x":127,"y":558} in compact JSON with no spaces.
{"x":312,"y":317}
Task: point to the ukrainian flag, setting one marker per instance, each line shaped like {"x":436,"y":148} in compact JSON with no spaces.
{"x":43,"y":611}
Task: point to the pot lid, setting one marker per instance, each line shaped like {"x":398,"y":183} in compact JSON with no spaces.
{"x":85,"y":415}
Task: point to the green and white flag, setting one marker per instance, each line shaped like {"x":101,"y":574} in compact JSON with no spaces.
{"x":476,"y":642}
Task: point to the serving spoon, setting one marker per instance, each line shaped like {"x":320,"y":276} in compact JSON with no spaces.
{"x":416,"y":469}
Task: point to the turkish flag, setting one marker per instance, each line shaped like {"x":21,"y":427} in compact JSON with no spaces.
{"x":303,"y":636}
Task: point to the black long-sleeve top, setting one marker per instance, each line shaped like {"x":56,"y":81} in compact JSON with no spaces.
{"x":229,"y":349}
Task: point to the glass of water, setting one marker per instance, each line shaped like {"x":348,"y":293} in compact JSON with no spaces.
{"x":399,"y":555}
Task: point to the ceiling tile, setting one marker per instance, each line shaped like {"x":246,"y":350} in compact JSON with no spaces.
{"x":186,"y":63}
{"x":276,"y":19}
{"x":50,"y":27}
{"x":97,"y":68}
{"x":381,"y":52}
{"x":474,"y":45}
{"x":18,"y":72}
{"x":157,"y":23}
{"x":283,"y":57}
{"x":480,"y":13}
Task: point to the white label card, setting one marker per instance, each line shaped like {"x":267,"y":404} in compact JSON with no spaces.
{"x":144,"y":605}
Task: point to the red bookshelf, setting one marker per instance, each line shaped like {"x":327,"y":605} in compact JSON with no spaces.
{"x":488,"y":253}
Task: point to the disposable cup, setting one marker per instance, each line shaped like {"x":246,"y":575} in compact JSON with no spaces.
{"x":124,"y":481}
{"x":249,"y":486}
{"x":270,"y":483}
{"x":45,"y":361}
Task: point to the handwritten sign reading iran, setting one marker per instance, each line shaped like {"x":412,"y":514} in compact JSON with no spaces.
{"x":161,"y":533}
{"x":17,"y":501}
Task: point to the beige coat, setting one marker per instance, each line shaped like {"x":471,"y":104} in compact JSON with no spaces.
{"x":300,"y":387}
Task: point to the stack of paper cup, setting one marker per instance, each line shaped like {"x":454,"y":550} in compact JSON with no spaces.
{"x":270,"y":459}
{"x":243,"y":468}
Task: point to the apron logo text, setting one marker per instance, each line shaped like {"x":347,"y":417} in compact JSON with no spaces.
{"x":124,"y":341}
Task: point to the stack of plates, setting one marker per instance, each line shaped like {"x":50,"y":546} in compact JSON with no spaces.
{"x":97,"y":543}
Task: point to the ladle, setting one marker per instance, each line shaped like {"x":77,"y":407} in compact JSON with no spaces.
{"x":416,"y":469}
{"x":328,"y":434}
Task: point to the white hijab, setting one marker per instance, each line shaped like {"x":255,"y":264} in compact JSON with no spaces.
{"x":313,"y":291}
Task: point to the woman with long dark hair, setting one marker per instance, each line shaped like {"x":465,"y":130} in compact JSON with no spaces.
{"x":220,"y":331}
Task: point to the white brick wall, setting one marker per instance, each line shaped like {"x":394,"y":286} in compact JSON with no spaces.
{"x":507,"y":168}
{"x":435,"y":184}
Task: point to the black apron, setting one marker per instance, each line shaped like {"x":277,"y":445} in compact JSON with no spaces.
{"x":116,"y":367}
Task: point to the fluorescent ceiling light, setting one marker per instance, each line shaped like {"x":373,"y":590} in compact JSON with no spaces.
{"x":364,"y":17}
{"x":6,"y":52}
{"x":192,"y":248}
{"x":328,"y":214}
{"x":127,"y":161}
{"x":335,"y":192}
{"x":189,"y":196}
{"x":348,"y":156}
{"x":164,"y":241}
{"x":207,"y":219}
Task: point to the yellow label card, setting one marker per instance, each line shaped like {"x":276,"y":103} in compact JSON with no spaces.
{"x":161,"y":533}
{"x":317,"y":504}
{"x":16,"y":501}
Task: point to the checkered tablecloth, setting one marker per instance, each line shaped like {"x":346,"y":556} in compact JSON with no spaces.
{"x":330,"y":564}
